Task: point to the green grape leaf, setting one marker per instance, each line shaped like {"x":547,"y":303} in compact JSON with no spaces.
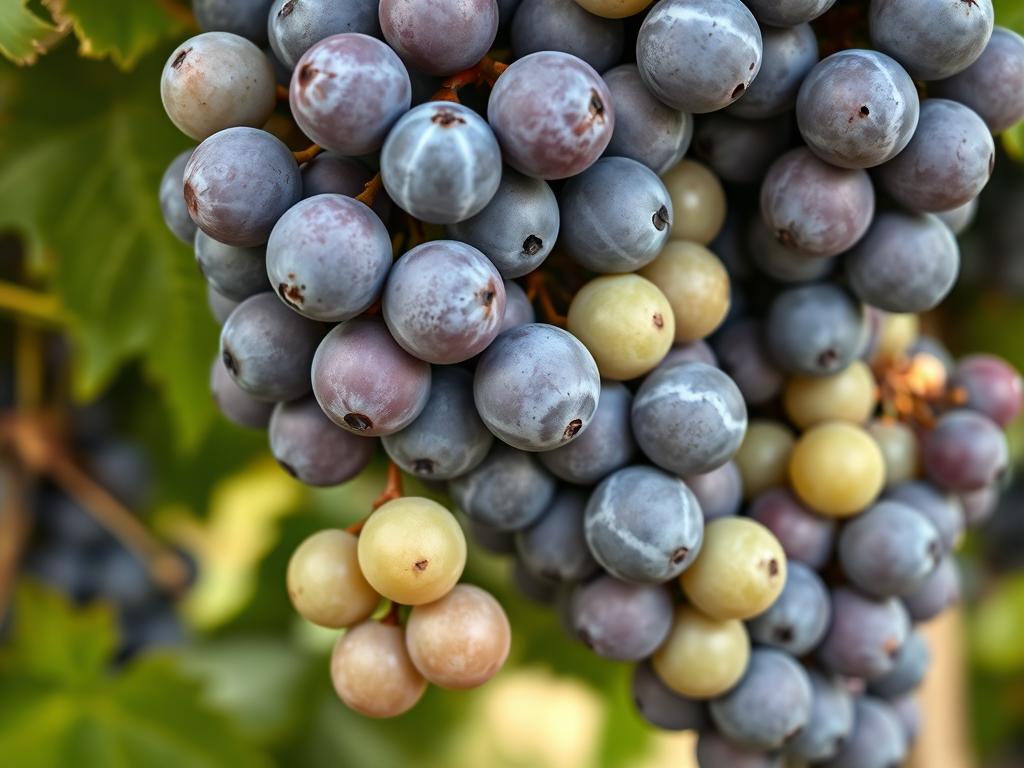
{"x":1010,"y":13}
{"x":55,"y":714}
{"x":1013,"y":141}
{"x":81,"y":157}
{"x":23,"y":34}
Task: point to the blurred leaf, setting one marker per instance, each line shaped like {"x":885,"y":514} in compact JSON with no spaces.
{"x":23,"y":35}
{"x":81,"y":162}
{"x":1010,"y":13}
{"x":1013,"y":141}
{"x":998,"y":627}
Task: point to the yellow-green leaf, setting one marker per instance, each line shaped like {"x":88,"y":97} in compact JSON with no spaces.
{"x":23,"y":34}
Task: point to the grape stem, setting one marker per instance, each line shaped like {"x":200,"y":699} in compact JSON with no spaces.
{"x":370,"y":190}
{"x":486,"y":72}
{"x":14,"y":531}
{"x":41,"y":307}
{"x":537,"y":290}
{"x":305,"y":155}
{"x":392,"y":618}
{"x":282,"y":93}
{"x":392,"y":491}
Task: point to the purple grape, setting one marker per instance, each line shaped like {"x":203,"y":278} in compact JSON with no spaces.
{"x":965,"y":451}
{"x":991,"y":85}
{"x":268,"y":349}
{"x":979,"y":505}
{"x":237,"y":405}
{"x":537,"y":387}
{"x":865,"y":635}
{"x":441,"y":163}
{"x":789,"y":54}
{"x":877,"y":739}
{"x":716,"y":751}
{"x":741,"y":151}
{"x":816,"y":207}
{"x":563,"y":25}
{"x":719,"y":492}
{"x":448,"y":438}
{"x":799,"y":618}
{"x":606,"y":446}
{"x":662,"y":707}
{"x":328,"y":258}
{"x":644,"y":525}
{"x":944,"y":510}
{"x":911,"y":665}
{"x":236,"y":273}
{"x":937,"y":593}
{"x":787,"y":13}
{"x":814,"y":330}
{"x":312,"y":449}
{"x":960,"y":218}
{"x":742,"y":354}
{"x":439,"y":37}
{"x":518,"y":309}
{"x":509,"y":491}
{"x":347,"y":91}
{"x":365,"y":382}
{"x":805,"y":537}
{"x":554,"y":547}
{"x":831,"y":720}
{"x":517,"y":229}
{"x":444,"y":302}
{"x":620,"y":621}
{"x":782,"y":262}
{"x":698,"y":56}
{"x":993,"y":387}
{"x":331,"y":174}
{"x":238,"y":183}
{"x":247,"y":18}
{"x":220,"y":305}
{"x":552,"y":114}
{"x":946,"y":164}
{"x":693,"y":352}
{"x":294,"y":26}
{"x":172,"y":200}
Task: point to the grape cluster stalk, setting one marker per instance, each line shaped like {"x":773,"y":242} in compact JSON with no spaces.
{"x":639,"y":286}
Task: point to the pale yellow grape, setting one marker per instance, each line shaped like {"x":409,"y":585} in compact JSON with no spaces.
{"x":837,"y":469}
{"x":763,"y":457}
{"x":895,"y":336}
{"x":460,"y":641}
{"x":412,"y":550}
{"x":850,"y":395}
{"x":702,"y":657}
{"x":625,"y":321}
{"x":899,"y":449}
{"x":372,"y":672}
{"x":614,"y":9}
{"x":698,"y":202}
{"x":740,"y":571}
{"x":696,"y":285}
{"x":325,"y":583}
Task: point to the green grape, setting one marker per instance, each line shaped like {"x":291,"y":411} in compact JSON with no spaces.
{"x":460,"y":641}
{"x":696,"y":285}
{"x":698,"y":202}
{"x":702,"y":657}
{"x":625,"y":321}
{"x":412,"y":550}
{"x":324,"y":581}
{"x":899,"y":449}
{"x":896,"y":334}
{"x":850,"y":395}
{"x":763,"y":456}
{"x":837,"y":469}
{"x":372,"y":672}
{"x":739,"y":572}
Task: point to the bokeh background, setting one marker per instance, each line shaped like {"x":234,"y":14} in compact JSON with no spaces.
{"x":105,"y":344}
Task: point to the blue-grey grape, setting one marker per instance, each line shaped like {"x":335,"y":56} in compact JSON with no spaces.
{"x":944,"y":510}
{"x":172,"y":199}
{"x":331,"y":174}
{"x":620,"y":621}
{"x":220,"y":305}
{"x":814,"y":330}
{"x":783,"y":262}
{"x":699,"y":56}
{"x":508,"y":491}
{"x":662,"y":707}
{"x":799,"y":618}
{"x":936,"y":593}
{"x":719,"y":492}
{"x":743,"y":355}
{"x":786,"y":13}
{"x":234,"y":403}
{"x":312,"y":448}
{"x":294,"y":26}
{"x":537,"y":387}
{"x":693,"y":352}
{"x":689,"y":418}
{"x":518,"y":309}
{"x":716,"y":751}
{"x":644,"y":525}
{"x":441,"y":163}
{"x":965,"y":451}
{"x":448,"y":438}
{"x":563,"y":25}
{"x":234,"y":272}
{"x":268,"y":349}
{"x":517,"y":229}
{"x":908,"y":711}
{"x":534,"y":588}
{"x":831,"y":720}
{"x":439,"y":37}
{"x":493,"y":540}
{"x":365,"y":382}
{"x":555,"y":547}
{"x":789,"y":54}
{"x":238,"y":183}
{"x":247,"y":18}
{"x":876,"y":741}
{"x":740,"y":151}
{"x":865,"y":634}
{"x":908,"y":672}
{"x":805,"y":537}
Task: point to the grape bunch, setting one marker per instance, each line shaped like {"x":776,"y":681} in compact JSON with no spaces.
{"x":639,"y":288}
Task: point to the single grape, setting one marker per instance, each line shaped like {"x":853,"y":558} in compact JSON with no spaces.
{"x":831,"y":720}
{"x":848,"y":395}
{"x":815,"y":207}
{"x":552,"y":114}
{"x":787,"y":13}
{"x":696,"y":285}
{"x":937,"y":593}
{"x":857,"y":109}
{"x":439,"y":37}
{"x":993,"y":387}
{"x":698,"y":56}
{"x":947,"y":163}
{"x":989,"y":86}
{"x":508,"y":491}
{"x":789,"y":54}
{"x":614,"y":9}
{"x":518,"y":309}
{"x":347,"y":91}
{"x":877,"y":739}
{"x":933,"y":39}
{"x":865,"y":635}
{"x":694,"y":352}
{"x":741,"y":151}
{"x":644,"y":525}
{"x":517,"y":229}
{"x":702,"y":657}
{"x":444,"y":302}
{"x":912,"y":663}
{"x":908,"y":711}
{"x":172,"y":201}
{"x":743,"y":356}
{"x":959,"y":219}
{"x":237,"y":405}
{"x":236,"y":273}
{"x":797,"y":621}
{"x":964,"y":451}
{"x":491,"y":539}
{"x":447,"y":439}
{"x":246,"y":18}
{"x":412,"y":550}
{"x":325,"y":584}
{"x":716,"y":751}
{"x":979,"y":505}
{"x":536,"y":387}
{"x":563,"y":25}
{"x":238,"y":183}
{"x":555,"y":546}
{"x":661,"y":706}
{"x":372,"y":672}
{"x":805,"y":537}
{"x":899,"y":445}
{"x":365,"y":382}
{"x":837,"y":469}
{"x":698,"y":202}
{"x":217,"y":80}
{"x":312,"y":449}
{"x":783,"y":262}
{"x":620,"y":621}
{"x":719,"y":492}
{"x":944,"y":510}
{"x":268,"y":349}
{"x":460,"y":641}
{"x":764,"y":455}
{"x":893,"y":337}
{"x":331,"y":174}
{"x":689,"y":418}
{"x":815,"y":330}
{"x":294,"y":26}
